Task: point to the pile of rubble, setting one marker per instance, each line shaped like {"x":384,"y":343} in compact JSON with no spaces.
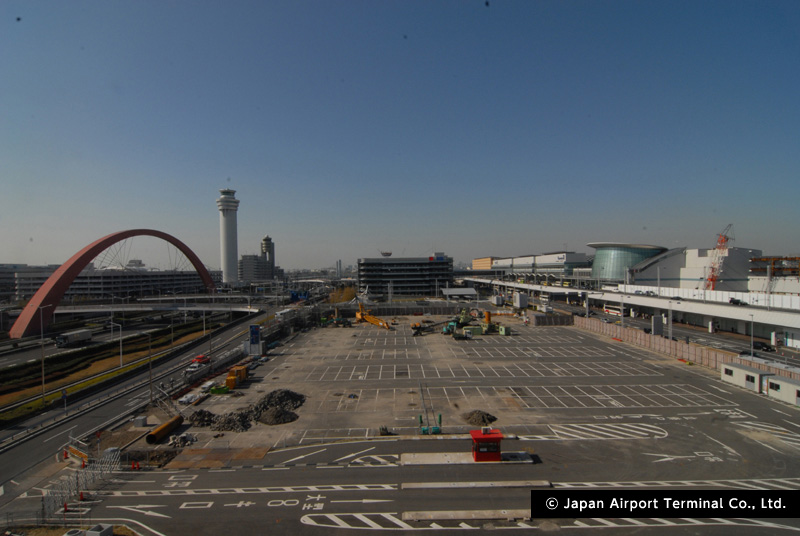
{"x":274,"y":408}
{"x":273,"y":416}
{"x":180,"y":441}
{"x":235,"y":421}
{"x":202,"y":418}
{"x":479,"y":418}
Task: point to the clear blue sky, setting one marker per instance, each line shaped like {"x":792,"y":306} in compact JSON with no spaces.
{"x":348,"y":127}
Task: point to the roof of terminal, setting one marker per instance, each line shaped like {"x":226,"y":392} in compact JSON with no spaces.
{"x":598,"y":245}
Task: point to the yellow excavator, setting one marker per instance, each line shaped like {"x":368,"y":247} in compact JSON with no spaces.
{"x":363,"y":315}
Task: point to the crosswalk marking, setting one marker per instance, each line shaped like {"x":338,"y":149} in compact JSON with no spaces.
{"x":392,"y":521}
{"x":787,"y":436}
{"x":760,"y":484}
{"x":563,"y":432}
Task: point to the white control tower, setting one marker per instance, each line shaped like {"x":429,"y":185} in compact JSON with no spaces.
{"x":228,"y":238}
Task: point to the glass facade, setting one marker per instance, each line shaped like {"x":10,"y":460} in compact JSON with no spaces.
{"x":612,"y":260}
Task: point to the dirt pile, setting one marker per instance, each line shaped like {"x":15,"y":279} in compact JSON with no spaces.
{"x":273,"y":408}
{"x":478,"y":418}
{"x":273,"y":416}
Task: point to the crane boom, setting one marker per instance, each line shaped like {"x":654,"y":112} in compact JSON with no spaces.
{"x":717,"y":256}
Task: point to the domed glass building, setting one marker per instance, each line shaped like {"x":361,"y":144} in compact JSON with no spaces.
{"x":613,"y":259}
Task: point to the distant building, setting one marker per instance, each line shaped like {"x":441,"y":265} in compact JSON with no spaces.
{"x":559,"y":265}
{"x":775,"y":275}
{"x":252,"y":268}
{"x":260,"y":268}
{"x":415,"y":276}
{"x":268,"y":256}
{"x":689,"y":269}
{"x":131,"y":281}
{"x":484,"y":263}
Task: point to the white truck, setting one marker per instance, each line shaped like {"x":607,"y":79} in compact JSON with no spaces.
{"x":73,"y":337}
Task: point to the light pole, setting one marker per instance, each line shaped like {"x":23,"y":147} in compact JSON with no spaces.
{"x":150,"y":363}
{"x":752,"y":325}
{"x":41,"y":330}
{"x":670,"y":320}
{"x":120,"y":339}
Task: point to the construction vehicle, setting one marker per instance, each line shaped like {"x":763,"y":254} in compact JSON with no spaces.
{"x":339,"y":320}
{"x":418,"y":328}
{"x":363,"y":315}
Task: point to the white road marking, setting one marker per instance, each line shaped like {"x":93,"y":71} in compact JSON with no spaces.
{"x":364,"y":501}
{"x":58,"y":434}
{"x":139,"y":509}
{"x":303,"y":456}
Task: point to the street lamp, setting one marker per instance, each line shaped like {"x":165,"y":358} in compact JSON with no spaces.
{"x":41,"y":329}
{"x":670,"y":320}
{"x":752,"y":325}
{"x":120,"y":339}
{"x":150,"y":362}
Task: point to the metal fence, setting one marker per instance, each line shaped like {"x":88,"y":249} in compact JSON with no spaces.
{"x":69,"y":488}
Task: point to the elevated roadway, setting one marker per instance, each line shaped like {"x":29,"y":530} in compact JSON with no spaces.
{"x":776,"y":319}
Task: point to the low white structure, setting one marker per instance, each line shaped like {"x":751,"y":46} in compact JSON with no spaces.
{"x":785,"y":390}
{"x":749,"y":378}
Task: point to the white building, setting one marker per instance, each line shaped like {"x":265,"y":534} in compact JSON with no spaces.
{"x":689,"y":269}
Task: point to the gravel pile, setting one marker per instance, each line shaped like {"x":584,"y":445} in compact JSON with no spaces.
{"x":274,"y":408}
{"x":202,"y":418}
{"x":273,"y":416}
{"x":478,"y":418}
{"x":235,"y":421}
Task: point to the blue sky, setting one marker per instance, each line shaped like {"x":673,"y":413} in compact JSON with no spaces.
{"x":349,"y":127}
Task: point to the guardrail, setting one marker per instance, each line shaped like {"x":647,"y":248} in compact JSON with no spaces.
{"x":112,"y":395}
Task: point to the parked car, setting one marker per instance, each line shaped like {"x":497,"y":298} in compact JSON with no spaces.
{"x":746,"y":353}
{"x":190,"y":398}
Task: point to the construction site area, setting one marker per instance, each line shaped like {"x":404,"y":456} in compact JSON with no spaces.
{"x":364,"y":377}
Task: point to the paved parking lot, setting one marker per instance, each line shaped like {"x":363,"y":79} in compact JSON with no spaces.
{"x":546,"y":385}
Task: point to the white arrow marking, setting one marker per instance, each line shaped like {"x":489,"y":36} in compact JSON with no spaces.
{"x":145,"y":512}
{"x":304,"y":456}
{"x":666,"y":457}
{"x":354,"y":454}
{"x":364,"y":501}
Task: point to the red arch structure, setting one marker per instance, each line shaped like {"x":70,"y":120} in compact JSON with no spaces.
{"x":50,"y":293}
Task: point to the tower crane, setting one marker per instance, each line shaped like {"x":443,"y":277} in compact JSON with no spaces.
{"x":717,"y":256}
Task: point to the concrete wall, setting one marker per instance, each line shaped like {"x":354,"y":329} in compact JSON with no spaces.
{"x":691,"y":353}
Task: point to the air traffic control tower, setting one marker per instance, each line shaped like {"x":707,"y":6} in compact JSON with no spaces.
{"x":228,"y":238}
